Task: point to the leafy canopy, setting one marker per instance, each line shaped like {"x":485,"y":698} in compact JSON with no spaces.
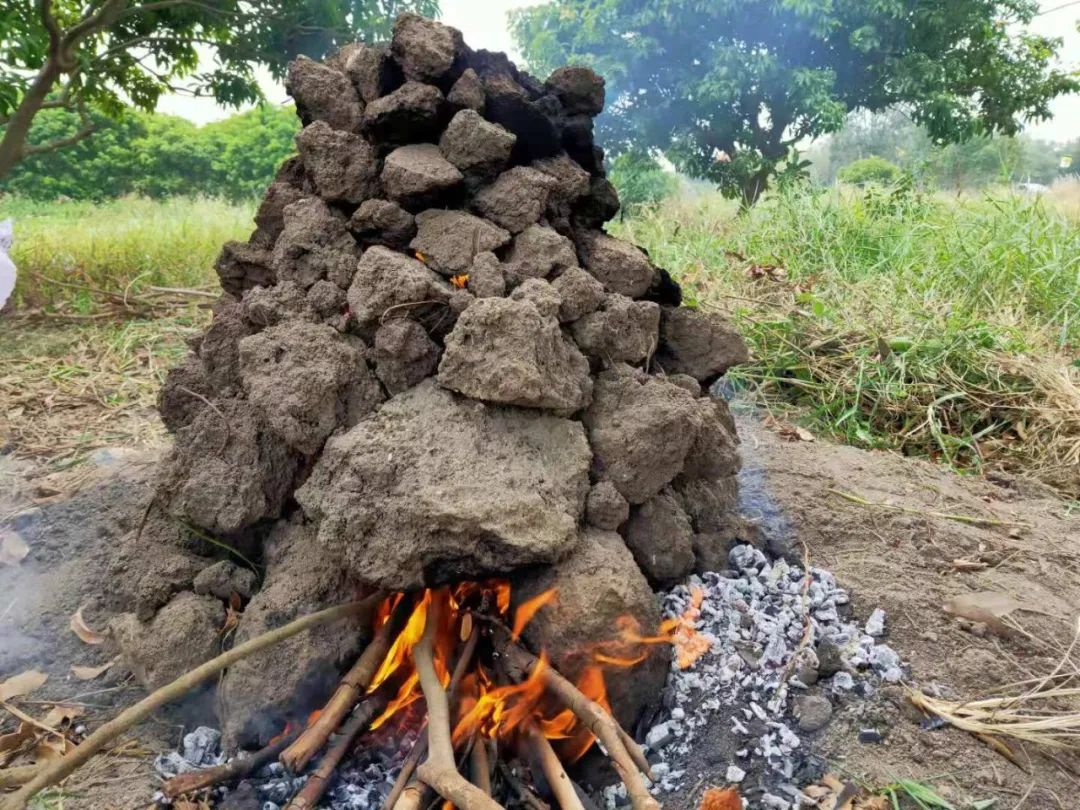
{"x":726,"y":89}
{"x":106,"y":56}
{"x":155,"y":155}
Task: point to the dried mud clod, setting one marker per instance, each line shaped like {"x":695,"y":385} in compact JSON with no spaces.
{"x":431,"y":364}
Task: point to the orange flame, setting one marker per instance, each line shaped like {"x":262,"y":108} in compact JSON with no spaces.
{"x":527,"y":610}
{"x":502,"y":710}
{"x":285,"y":732}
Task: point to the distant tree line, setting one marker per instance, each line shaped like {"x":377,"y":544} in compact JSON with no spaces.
{"x":892,"y":137}
{"x":156,"y":155}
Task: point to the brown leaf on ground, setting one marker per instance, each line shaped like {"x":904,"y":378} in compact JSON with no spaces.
{"x":83,"y":631}
{"x":13,"y":549}
{"x":89,"y":673}
{"x":721,"y":799}
{"x":22,"y":684}
{"x":62,"y":714}
{"x":50,"y":748}
{"x":787,"y":431}
{"x":12,"y":742}
{"x":988,"y":607}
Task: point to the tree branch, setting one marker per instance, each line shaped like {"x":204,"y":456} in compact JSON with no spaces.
{"x":102,"y":18}
{"x":51,"y":25}
{"x":84,"y":132}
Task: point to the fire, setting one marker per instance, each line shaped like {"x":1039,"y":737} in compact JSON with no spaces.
{"x":487,"y":705}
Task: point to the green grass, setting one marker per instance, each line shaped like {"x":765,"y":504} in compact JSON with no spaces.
{"x":72,"y":256}
{"x":939,"y":327}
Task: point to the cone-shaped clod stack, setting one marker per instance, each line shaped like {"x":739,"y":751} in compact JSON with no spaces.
{"x":431,"y":364}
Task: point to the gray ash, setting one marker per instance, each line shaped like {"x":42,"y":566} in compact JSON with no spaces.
{"x":756,"y":615}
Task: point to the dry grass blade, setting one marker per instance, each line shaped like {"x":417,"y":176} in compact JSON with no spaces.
{"x":1048,"y":713}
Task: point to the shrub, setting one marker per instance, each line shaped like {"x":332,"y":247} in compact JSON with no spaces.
{"x":871,"y":170}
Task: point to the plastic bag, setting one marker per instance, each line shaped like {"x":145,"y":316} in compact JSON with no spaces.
{"x":7,"y":267}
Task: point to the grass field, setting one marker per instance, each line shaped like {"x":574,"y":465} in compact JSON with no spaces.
{"x":940,"y":327}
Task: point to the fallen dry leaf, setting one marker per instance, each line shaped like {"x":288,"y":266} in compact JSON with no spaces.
{"x":50,"y":748}
{"x":89,"y":673}
{"x":787,"y":431}
{"x":83,"y":631}
{"x":13,"y":548}
{"x":22,"y":684}
{"x":16,"y":739}
{"x":721,"y":799}
{"x":63,"y":713}
{"x":988,"y":607}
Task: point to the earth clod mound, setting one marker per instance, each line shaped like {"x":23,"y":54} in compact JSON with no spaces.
{"x":431,"y":364}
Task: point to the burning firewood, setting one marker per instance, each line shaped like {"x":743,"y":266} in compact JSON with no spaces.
{"x":439,"y":771}
{"x":232,"y":771}
{"x":348,"y":693}
{"x":316,"y":785}
{"x":625,"y":754}
{"x":561,"y":786}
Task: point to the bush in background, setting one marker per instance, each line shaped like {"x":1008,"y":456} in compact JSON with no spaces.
{"x":641,"y":180}
{"x":870,"y":170}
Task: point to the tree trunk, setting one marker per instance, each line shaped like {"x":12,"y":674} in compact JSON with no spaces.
{"x":752,"y":189}
{"x":17,"y":131}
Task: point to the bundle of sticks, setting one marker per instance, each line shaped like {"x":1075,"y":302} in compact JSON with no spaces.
{"x":437,"y":764}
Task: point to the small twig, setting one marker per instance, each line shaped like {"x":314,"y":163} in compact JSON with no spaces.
{"x":388,"y":310}
{"x":214,"y":408}
{"x":440,"y":769}
{"x":348,"y":693}
{"x":479,"y":767}
{"x":317,"y":783}
{"x":63,"y":767}
{"x":561,"y":786}
{"x":972,"y":520}
{"x":185,"y":291}
{"x":624,"y":753}
{"x":229,"y":772}
{"x":404,"y":781}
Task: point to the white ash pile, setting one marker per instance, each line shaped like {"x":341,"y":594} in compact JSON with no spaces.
{"x":431,"y":365}
{"x":780,"y":649}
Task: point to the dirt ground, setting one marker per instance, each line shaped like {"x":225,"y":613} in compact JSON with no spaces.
{"x":899,"y":553}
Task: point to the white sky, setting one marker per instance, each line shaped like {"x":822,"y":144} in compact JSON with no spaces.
{"x":484,"y":24}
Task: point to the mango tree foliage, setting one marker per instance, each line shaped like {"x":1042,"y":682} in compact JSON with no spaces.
{"x":728,"y":89}
{"x":102,"y":56}
{"x":156,"y":155}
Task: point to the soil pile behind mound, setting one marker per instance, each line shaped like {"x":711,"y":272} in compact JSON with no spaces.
{"x":431,"y":364}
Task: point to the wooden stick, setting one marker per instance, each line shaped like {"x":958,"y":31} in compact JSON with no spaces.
{"x":411,"y":796}
{"x":319,"y":780}
{"x":618,"y":744}
{"x":440,"y":769}
{"x":348,"y":693}
{"x":561,"y":786}
{"x":63,"y":767}
{"x":404,"y":779}
{"x":479,"y":768}
{"x":229,"y":772}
